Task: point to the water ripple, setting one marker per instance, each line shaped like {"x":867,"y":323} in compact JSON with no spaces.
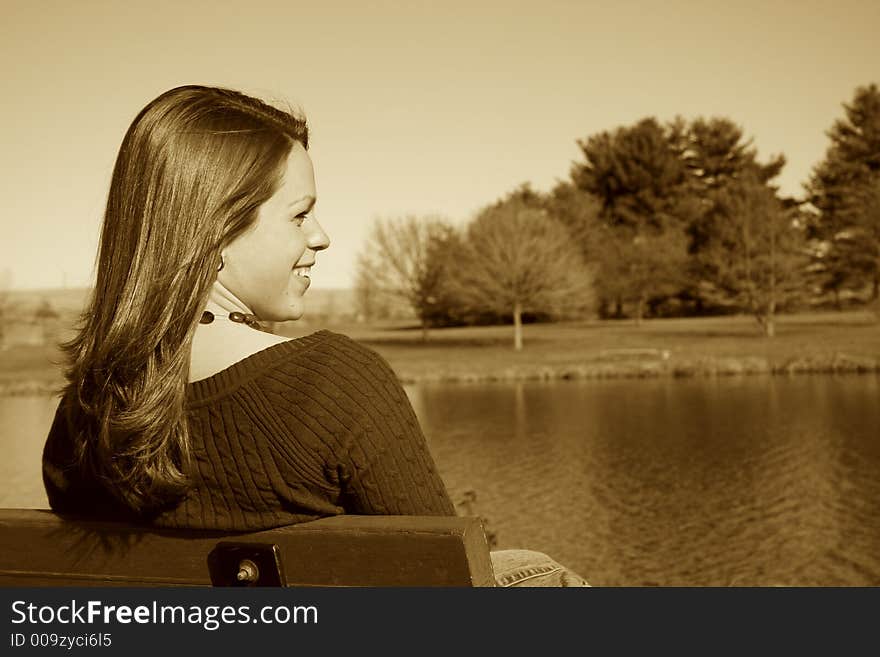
{"x":769,"y":481}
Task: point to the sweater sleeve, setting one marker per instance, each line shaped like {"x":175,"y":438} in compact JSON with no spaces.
{"x":387,"y":468}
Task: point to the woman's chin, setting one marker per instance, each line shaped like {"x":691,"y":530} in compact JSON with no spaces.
{"x":289,"y":308}
{"x":286,"y":315}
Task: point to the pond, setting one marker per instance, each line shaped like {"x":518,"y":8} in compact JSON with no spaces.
{"x":731,"y":481}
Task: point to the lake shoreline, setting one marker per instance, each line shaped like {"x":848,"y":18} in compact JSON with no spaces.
{"x":612,"y":366}
{"x":837,"y":363}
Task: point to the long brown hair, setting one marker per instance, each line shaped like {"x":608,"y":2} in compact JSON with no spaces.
{"x":190,"y":176}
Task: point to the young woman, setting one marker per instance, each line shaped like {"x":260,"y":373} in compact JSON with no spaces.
{"x":179,"y":410}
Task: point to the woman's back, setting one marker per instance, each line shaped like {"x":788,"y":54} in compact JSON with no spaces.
{"x":305,"y":428}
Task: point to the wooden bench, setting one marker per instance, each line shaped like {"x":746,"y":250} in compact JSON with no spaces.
{"x":40,"y":548}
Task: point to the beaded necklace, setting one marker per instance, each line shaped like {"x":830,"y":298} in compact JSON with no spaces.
{"x":234,"y":316}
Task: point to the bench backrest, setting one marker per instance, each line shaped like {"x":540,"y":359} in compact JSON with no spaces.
{"x":40,"y":548}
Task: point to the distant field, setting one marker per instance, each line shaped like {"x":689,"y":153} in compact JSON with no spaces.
{"x":70,"y":301}
{"x":815,"y":342}
{"x":65,"y":301}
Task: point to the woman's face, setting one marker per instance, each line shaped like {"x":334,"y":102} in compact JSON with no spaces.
{"x":267,"y":266}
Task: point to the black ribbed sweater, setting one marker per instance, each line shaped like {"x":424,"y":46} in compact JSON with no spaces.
{"x":306,"y":428}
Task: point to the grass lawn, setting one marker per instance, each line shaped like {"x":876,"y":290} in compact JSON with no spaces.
{"x":821,"y":342}
{"x":809,"y":342}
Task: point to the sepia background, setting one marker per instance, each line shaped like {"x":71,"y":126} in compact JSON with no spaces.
{"x":623,"y":256}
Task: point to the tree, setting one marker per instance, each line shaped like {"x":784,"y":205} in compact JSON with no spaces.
{"x":756,"y":259}
{"x":517,"y":259}
{"x":830,"y":192}
{"x":634,"y":172}
{"x":579,"y":211}
{"x":850,"y":257}
{"x":841,"y":189}
{"x":371,"y":302}
{"x":445,"y":307}
{"x":640,"y":180}
{"x":719,"y":159}
{"x":637,"y":266}
{"x":397,"y":260}
{"x":716,"y":154}
{"x":866,"y":233}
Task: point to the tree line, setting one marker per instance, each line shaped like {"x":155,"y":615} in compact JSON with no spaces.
{"x":656,"y":219}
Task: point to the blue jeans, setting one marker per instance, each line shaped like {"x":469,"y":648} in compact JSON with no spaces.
{"x":530,"y":568}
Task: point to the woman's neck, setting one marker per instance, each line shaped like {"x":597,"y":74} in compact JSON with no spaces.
{"x":219,"y":344}
{"x":222,"y":302}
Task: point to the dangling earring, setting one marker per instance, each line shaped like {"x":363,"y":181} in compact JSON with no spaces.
{"x":220,"y":266}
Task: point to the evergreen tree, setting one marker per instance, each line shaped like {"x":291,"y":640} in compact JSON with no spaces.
{"x":719,"y":159}
{"x":634,"y":172}
{"x":841,"y":189}
{"x":641,"y":183}
{"x":863,"y":236}
{"x":716,"y":154}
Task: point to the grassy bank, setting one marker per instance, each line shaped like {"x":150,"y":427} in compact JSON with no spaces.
{"x":832,"y":343}
{"x":717,"y":346}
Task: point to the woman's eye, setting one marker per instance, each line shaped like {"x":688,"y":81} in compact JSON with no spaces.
{"x":300,"y":218}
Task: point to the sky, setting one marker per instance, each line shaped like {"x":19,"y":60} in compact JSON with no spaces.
{"x":414,"y":107}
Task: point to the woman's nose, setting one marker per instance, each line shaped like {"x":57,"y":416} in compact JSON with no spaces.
{"x":318,"y":239}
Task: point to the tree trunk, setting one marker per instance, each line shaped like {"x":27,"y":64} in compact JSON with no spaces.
{"x":640,"y":309}
{"x":770,"y":331}
{"x":767,"y":319}
{"x":769,"y":325}
{"x":424,"y":330}
{"x":517,"y":326}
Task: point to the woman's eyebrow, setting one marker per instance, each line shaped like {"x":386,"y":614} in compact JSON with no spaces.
{"x":308,"y":197}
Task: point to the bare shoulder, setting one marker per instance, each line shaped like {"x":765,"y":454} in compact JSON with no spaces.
{"x":224,"y":345}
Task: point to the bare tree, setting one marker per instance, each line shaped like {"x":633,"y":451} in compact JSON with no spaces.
{"x":398,"y":260}
{"x":518,"y":259}
{"x":758,"y":259}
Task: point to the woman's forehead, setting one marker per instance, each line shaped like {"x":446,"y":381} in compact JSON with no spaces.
{"x":298,"y":179}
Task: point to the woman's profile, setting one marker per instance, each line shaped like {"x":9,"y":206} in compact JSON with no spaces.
{"x":179,"y":410}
